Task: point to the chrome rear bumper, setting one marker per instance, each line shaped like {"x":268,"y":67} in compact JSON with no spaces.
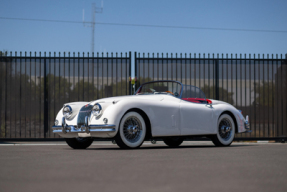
{"x":64,"y":128}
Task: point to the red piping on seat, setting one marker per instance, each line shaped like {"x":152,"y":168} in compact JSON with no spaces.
{"x":197,"y":100}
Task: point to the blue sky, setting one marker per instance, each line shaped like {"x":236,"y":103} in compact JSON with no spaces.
{"x":17,"y":35}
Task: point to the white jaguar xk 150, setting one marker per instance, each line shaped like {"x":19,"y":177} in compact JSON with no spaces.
{"x":167,"y":110}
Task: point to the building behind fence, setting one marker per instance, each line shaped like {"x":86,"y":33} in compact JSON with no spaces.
{"x":34,"y":88}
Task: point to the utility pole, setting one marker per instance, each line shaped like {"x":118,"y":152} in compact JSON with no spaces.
{"x":93,"y":23}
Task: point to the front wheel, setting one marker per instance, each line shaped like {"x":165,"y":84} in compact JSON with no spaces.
{"x":79,"y":142}
{"x":132,"y":131}
{"x":225,"y":131}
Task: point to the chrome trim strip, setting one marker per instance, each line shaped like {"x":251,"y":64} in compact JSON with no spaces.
{"x":91,"y":128}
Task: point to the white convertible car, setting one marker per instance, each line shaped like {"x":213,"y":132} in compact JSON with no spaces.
{"x":167,"y":110}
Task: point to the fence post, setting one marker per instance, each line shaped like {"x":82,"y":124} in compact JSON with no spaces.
{"x":45,"y":98}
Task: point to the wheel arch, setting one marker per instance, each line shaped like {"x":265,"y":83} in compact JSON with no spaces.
{"x":146,"y":119}
{"x":233,"y":118}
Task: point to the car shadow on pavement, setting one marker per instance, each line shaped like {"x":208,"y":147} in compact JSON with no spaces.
{"x":165,"y":147}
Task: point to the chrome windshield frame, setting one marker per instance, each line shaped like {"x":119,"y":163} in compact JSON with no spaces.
{"x":181,"y":86}
{"x":181,"y":89}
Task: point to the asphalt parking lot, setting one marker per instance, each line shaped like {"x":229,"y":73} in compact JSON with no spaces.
{"x":195,"y":166}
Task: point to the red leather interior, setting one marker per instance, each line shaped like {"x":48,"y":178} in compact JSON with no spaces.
{"x":197,"y":100}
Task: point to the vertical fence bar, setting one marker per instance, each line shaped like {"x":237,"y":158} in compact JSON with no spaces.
{"x":231,"y":60}
{"x":190,"y":70}
{"x":6,"y":92}
{"x":259,"y":99}
{"x":249,"y":61}
{"x":208,"y":75}
{"x":136,"y":69}
{"x":222,"y":77}
{"x":282,"y":114}
{"x":122,"y":72}
{"x":25,"y":88}
{"x":255,"y":123}
{"x":83,"y":91}
{"x":194,"y":69}
{"x":273,"y":121}
{"x":263,"y":94}
{"x":204,"y":63}
{"x":69,"y":71}
{"x":20,"y":91}
{"x":199,"y":66}
{"x":216,"y":79}
{"x":158,"y":66}
{"x":30,"y":128}
{"x":49,"y":90}
{"x":130,"y":71}
{"x":236,"y":73}
{"x":163,"y":65}
{"x":46,"y":109}
{"x":15,"y":106}
{"x":153,"y":66}
{"x":117,"y":74}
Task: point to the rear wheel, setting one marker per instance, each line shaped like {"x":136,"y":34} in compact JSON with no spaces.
{"x":225,"y":131}
{"x":173,"y":141}
{"x":132,"y":131}
{"x":79,"y":142}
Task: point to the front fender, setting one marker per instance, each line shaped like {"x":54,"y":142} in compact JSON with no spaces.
{"x":226,"y":108}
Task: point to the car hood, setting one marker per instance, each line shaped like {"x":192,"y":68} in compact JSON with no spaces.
{"x":216,"y":102}
{"x":128,"y":97}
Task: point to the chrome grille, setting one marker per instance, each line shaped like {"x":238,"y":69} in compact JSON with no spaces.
{"x":85,"y":111}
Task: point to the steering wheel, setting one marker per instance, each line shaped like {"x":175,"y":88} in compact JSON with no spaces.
{"x":170,"y":92}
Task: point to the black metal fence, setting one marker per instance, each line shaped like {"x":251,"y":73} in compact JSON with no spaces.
{"x":256,"y":84}
{"x":34,"y":88}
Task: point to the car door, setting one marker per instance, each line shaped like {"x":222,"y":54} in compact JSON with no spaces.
{"x":195,"y":118}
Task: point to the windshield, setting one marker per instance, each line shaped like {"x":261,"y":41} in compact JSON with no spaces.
{"x":193,"y":94}
{"x":160,"y":87}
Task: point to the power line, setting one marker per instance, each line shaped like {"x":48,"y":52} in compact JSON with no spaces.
{"x":58,"y":21}
{"x":156,"y":26}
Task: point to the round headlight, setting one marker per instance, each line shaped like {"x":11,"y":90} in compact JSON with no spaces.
{"x":97,"y":110}
{"x":67,"y":111}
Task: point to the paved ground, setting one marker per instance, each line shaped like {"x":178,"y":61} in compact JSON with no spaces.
{"x":196,"y":166}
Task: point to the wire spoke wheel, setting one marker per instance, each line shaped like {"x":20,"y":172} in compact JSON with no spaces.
{"x":132,"y":131}
{"x":225,"y":131}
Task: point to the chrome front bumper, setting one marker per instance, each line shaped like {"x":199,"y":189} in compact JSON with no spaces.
{"x":64,"y":128}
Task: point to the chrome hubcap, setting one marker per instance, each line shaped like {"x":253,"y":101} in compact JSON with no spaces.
{"x":132,"y":129}
{"x":225,"y":129}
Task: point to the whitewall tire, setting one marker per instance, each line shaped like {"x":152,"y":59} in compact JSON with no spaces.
{"x":225,"y":131}
{"x":132,"y":131}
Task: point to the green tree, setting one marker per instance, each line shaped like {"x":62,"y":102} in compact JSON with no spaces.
{"x":265,"y":92}
{"x":85,"y":91}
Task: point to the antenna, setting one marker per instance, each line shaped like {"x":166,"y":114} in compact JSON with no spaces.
{"x":93,"y":23}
